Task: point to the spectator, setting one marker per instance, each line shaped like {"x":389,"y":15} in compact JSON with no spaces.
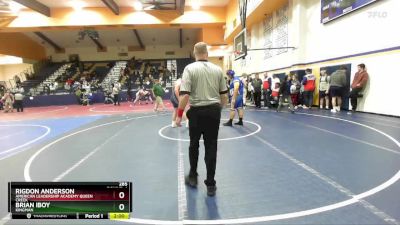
{"x":336,"y":88}
{"x":126,"y":71}
{"x":167,"y":74}
{"x":86,"y":86}
{"x":250,"y":89}
{"x":141,"y":79}
{"x":158,"y":93}
{"x":46,"y":89}
{"x":31,"y":92}
{"x":27,"y":75}
{"x":8,"y":100}
{"x":52,"y":88}
{"x":301,"y":96}
{"x":121,"y":72}
{"x":284,"y":94}
{"x":135,"y":76}
{"x":85,"y":98}
{"x":267,"y":83}
{"x":67,"y":87}
{"x":358,"y":84}
{"x":244,"y":80}
{"x":115,"y":92}
{"x":1,"y":98}
{"x":257,"y":84}
{"x":276,"y":85}
{"x":2,"y":90}
{"x":173,"y":69}
{"x":295,"y":90}
{"x":78,"y":94}
{"x":324,"y":81}
{"x":70,"y":81}
{"x":309,"y":87}
{"x":76,"y":85}
{"x":129,"y":87}
{"x":108,"y":98}
{"x":17,"y":80}
{"x":19,"y":97}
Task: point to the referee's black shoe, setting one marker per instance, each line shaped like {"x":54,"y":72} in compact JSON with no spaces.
{"x":191,"y":181}
{"x":211,"y":190}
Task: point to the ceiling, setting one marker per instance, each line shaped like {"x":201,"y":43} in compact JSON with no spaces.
{"x":125,"y":3}
{"x":149,"y":37}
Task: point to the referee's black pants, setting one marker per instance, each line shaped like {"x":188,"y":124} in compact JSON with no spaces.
{"x":116,"y":99}
{"x":19,"y":105}
{"x":204,"y":121}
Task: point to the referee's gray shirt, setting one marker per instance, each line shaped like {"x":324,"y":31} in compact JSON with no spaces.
{"x":204,"y":82}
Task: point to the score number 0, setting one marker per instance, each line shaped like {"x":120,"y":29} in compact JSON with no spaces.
{"x":121,"y":195}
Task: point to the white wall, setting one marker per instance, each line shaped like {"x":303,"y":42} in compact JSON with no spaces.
{"x":217,"y":61}
{"x":9,"y":71}
{"x":353,"y":33}
{"x":151,"y":52}
{"x":368,"y":29}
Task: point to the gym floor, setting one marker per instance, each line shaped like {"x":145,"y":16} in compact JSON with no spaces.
{"x":311,"y":167}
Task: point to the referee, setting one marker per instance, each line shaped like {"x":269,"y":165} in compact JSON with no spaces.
{"x":204,"y":86}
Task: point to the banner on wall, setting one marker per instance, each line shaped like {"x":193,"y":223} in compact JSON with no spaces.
{"x":332,"y":9}
{"x":276,"y":32}
{"x":268,"y":25}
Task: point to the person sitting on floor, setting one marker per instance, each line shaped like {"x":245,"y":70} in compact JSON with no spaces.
{"x":108,"y":98}
{"x":85,"y":98}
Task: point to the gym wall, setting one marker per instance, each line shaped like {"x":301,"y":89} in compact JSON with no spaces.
{"x":8,"y":72}
{"x":112,"y":53}
{"x":341,"y":41}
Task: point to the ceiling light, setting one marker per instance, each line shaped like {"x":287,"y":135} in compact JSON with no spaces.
{"x":15,"y":7}
{"x":6,"y":59}
{"x":138,"y":6}
{"x":196,"y":5}
{"x":222,"y":47}
{"x":78,"y":5}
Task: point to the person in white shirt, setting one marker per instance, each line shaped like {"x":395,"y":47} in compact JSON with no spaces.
{"x":276,"y":85}
{"x":115,"y":93}
{"x":324,"y":81}
{"x":19,"y":97}
{"x":86,"y":85}
{"x":52,"y":88}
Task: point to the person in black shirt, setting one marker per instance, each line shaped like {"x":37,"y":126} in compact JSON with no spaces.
{"x":284,"y":94}
{"x":257,"y":83}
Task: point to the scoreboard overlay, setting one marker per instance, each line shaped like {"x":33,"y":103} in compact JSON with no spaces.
{"x":70,"y":200}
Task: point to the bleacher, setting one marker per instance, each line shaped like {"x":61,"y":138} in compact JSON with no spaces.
{"x":41,"y":76}
{"x":101,"y":72}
